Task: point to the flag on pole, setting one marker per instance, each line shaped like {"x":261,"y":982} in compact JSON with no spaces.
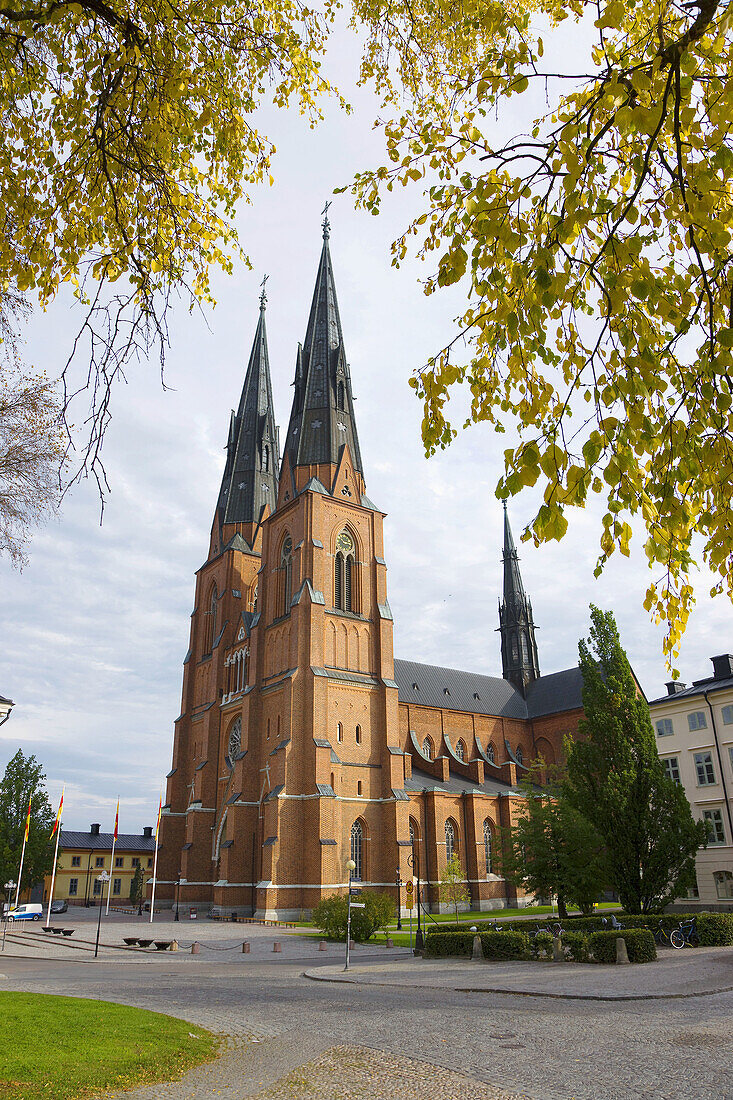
{"x":112,"y":860}
{"x":117,"y":820}
{"x":157,"y":824}
{"x":58,"y":817}
{"x":155,"y":859}
{"x":27,"y":821}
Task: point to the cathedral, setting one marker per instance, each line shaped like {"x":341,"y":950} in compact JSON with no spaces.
{"x":302,"y":741}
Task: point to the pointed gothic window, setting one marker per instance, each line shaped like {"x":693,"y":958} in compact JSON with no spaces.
{"x":357,"y":849}
{"x":490,"y":754}
{"x":520,"y":755}
{"x":344,"y":573}
{"x":451,"y":848}
{"x":525,"y":650}
{"x":266,"y":458}
{"x":487,"y":846}
{"x":210,"y":628}
{"x":286,"y":577}
{"x":461,"y":750}
{"x":340,"y":397}
{"x":515,"y":650}
{"x":427,"y":748}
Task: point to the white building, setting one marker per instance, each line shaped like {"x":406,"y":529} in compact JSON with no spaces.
{"x":694,"y":727}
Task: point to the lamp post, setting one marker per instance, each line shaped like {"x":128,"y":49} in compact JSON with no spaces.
{"x":178,"y":891}
{"x":419,"y":943}
{"x":350,"y":867}
{"x":102,"y":879}
{"x":398,"y":884}
{"x":9,"y":887}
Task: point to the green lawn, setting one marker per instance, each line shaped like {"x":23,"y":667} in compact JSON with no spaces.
{"x":69,"y":1047}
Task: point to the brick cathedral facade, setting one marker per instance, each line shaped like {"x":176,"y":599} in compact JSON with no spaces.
{"x":302,"y":741}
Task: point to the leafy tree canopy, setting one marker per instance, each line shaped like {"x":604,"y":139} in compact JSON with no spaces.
{"x":24,"y":779}
{"x":615,"y":779}
{"x":595,"y":246}
{"x":453,"y":889}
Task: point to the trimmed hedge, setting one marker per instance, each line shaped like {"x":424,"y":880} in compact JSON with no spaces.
{"x":541,"y":945}
{"x":495,"y":945}
{"x":714,"y":929}
{"x":639,"y":945}
{"x":576,"y":946}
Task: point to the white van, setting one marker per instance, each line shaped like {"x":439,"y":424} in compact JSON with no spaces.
{"x":32,"y":911}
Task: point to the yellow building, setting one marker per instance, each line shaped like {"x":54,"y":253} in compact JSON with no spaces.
{"x":83,"y":857}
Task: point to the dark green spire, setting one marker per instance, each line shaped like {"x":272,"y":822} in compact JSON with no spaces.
{"x":519,"y":660}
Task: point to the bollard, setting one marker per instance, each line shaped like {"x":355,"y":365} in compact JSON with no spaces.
{"x":622,"y":955}
{"x":323,"y":946}
{"x":174,"y":945}
{"x":277,"y":946}
{"x":195,"y":948}
{"x":558,"y":952}
{"x":478,"y":952}
{"x":390,"y":942}
{"x":245,"y":947}
{"x":352,"y":945}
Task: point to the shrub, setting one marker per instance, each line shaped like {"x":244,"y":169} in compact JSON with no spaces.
{"x":576,"y":946}
{"x":639,"y":945}
{"x":495,"y":945}
{"x":331,"y":915}
{"x":715,"y":929}
{"x":541,"y":945}
{"x":439,"y":945}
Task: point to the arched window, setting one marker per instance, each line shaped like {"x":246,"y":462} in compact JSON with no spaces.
{"x":520,"y":754}
{"x":427,"y":748}
{"x":451,"y":847}
{"x":487,"y":846}
{"x":461,"y":750}
{"x":490,"y":754}
{"x":333,"y":782}
{"x":525,"y":649}
{"x":234,"y":743}
{"x":210,"y":630}
{"x":344,"y":572}
{"x":515,"y":650}
{"x":340,"y":394}
{"x":286,"y":577}
{"x":357,"y":849}
{"x":253,"y":598}
{"x":265,"y":458}
{"x":358,"y":735}
{"x":339,"y":732}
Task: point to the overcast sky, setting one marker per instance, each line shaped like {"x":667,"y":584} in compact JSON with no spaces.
{"x":94,"y":631}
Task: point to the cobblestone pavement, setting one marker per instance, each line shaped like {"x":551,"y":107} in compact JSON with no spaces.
{"x":278,"y":1020}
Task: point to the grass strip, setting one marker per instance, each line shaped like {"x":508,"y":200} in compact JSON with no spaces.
{"x":64,"y":1047}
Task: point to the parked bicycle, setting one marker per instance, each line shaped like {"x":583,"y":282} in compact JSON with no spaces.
{"x":686,"y":935}
{"x":661,"y":935}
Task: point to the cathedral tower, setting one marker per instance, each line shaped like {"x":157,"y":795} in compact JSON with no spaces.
{"x":519,"y":662}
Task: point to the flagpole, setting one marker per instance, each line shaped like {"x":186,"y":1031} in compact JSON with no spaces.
{"x":22,"y":852}
{"x":155,"y":861}
{"x":112,"y":860}
{"x":53,"y":873}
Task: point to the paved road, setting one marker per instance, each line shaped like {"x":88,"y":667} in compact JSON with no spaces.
{"x":544,"y":1049}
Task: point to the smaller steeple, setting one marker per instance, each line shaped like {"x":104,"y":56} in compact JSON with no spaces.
{"x":253,"y":460}
{"x":519,"y":662}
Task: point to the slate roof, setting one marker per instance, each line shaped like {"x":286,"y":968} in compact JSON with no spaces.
{"x":128,"y":842}
{"x":456,"y":784}
{"x":550,"y":694}
{"x":699,"y":687}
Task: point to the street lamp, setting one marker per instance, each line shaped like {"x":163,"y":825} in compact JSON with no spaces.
{"x":419,"y":943}
{"x":398,"y":884}
{"x":102,"y":879}
{"x":350,"y":867}
{"x":9,"y":887}
{"x":178,"y":891}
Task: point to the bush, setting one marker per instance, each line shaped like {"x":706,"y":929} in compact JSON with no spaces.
{"x":715,"y":929}
{"x":439,"y":945}
{"x":495,"y":945}
{"x":576,"y":946}
{"x":639,"y":945}
{"x":541,"y":945}
{"x":331,"y":915}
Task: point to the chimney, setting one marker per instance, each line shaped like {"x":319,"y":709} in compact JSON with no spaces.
{"x":94,"y":830}
{"x":148,"y":832}
{"x":674,"y":687}
{"x":722,"y":666}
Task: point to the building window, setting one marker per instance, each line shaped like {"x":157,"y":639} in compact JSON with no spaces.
{"x":358,"y":788}
{"x":724,"y":884}
{"x":119,"y":861}
{"x":117,"y":887}
{"x":413,"y":833}
{"x":461,"y":750}
{"x":704,"y":769}
{"x":487,"y":846}
{"x":357,"y":849}
{"x":210,"y":630}
{"x":490,"y":754}
{"x":97,"y":887}
{"x":344,"y":571}
{"x":358,"y":735}
{"x":714,"y":820}
{"x":286,"y":577}
{"x":99,"y":861}
{"x":150,"y":861}
{"x":266,"y":458}
{"x":427,"y":748}
{"x":697,"y":721}
{"x":451,"y":847}
{"x":694,"y":891}
{"x":76,"y":861}
{"x":671,"y":768}
{"x":520,"y":754}
{"x":73,"y":887}
{"x":728,"y":716}
{"x":340,"y":397}
{"x":339,"y":732}
{"x":665,"y":727}
{"x":730,"y":753}
{"x":135,"y":861}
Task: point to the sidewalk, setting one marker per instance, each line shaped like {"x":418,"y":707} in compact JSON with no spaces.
{"x":675,"y":974}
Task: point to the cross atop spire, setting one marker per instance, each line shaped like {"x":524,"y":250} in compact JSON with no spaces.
{"x":520,"y":663}
{"x":326,"y":223}
{"x":263,"y":295}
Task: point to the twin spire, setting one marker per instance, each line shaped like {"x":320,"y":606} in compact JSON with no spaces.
{"x":519,"y":661}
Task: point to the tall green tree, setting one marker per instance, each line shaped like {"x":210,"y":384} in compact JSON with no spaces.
{"x":551,"y":849}
{"x":24,"y":779}
{"x":136,"y":886}
{"x":615,"y":779}
{"x":453,"y":890}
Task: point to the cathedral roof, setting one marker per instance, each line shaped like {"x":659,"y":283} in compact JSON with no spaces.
{"x":252,"y":466}
{"x":322,"y":417}
{"x":456,"y":784}
{"x":474,"y":693}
